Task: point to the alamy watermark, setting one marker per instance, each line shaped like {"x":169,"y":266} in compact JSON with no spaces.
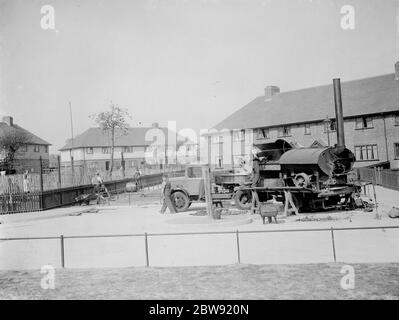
{"x":48,"y":280}
{"x":348,"y":17}
{"x":47,"y":21}
{"x":348,"y":280}
{"x":219,"y":147}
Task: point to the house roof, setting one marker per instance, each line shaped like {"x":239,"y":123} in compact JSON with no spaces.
{"x":359,"y":97}
{"x":96,"y":137}
{"x":33,"y":139}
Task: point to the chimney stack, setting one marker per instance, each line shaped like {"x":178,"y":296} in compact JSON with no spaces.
{"x":339,"y":116}
{"x":397,"y":70}
{"x":9,"y":120}
{"x":270,"y":91}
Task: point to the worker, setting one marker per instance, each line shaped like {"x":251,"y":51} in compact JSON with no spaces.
{"x":255,"y":183}
{"x":167,"y":201}
{"x":137,"y":178}
{"x":99,"y":187}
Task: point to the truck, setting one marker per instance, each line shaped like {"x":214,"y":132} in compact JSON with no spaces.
{"x":190,"y":188}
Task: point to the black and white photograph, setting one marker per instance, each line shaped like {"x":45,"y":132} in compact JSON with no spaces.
{"x":199,"y":154}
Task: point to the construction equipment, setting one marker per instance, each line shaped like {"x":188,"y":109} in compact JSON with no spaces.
{"x":316,"y":177}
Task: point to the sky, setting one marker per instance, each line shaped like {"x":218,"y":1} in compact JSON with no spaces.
{"x":190,"y":61}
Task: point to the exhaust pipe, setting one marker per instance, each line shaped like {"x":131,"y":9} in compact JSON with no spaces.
{"x":339,"y":116}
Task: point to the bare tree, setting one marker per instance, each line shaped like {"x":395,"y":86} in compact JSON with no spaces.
{"x":10,"y":142}
{"x":111,"y":121}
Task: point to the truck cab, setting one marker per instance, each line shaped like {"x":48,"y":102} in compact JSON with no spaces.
{"x":188,"y":188}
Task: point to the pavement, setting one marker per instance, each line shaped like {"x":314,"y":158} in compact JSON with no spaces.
{"x":143,"y":215}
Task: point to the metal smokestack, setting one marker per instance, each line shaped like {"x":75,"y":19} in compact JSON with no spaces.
{"x":339,"y":116}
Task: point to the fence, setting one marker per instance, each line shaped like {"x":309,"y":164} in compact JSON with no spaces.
{"x":34,"y":201}
{"x":15,"y":203}
{"x":235,"y":240}
{"x":385,"y":178}
{"x":64,"y":177}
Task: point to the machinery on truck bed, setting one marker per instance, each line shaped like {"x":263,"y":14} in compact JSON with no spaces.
{"x":317,"y":178}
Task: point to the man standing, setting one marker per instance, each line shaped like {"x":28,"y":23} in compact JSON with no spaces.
{"x":167,"y":201}
{"x":99,"y":188}
{"x":137,"y":179}
{"x":255,"y":183}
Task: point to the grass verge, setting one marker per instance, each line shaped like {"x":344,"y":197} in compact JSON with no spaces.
{"x":310,"y":281}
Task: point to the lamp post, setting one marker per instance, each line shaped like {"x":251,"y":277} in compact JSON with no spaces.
{"x":327,"y":123}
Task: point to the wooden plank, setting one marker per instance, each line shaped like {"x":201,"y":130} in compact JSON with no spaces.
{"x":207,"y":187}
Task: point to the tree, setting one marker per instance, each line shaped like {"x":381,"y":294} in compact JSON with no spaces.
{"x":10,"y":142}
{"x":111,"y":121}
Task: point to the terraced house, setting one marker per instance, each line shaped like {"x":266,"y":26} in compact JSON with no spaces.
{"x":26,"y":157}
{"x":306,"y":118}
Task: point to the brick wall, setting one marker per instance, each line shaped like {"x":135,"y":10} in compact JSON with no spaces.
{"x":29,"y":159}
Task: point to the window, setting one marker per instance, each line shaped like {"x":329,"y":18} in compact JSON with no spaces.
{"x":330,"y":126}
{"x":89,"y":150}
{"x":128,"y":149}
{"x":262,"y":134}
{"x":24,"y":148}
{"x":284,"y":131}
{"x":46,"y":149}
{"x":363,"y":123}
{"x":397,"y":120}
{"x":366,"y":152}
{"x":219,"y":162}
{"x":106,"y":150}
{"x":133,"y":163}
{"x":36,"y":148}
{"x":307,"y":128}
{"x":396,"y":150}
{"x":239,"y":135}
{"x":194,"y":172}
{"x":217,"y":139}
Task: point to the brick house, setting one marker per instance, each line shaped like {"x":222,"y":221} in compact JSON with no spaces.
{"x":27,"y":157}
{"x":138,"y":147}
{"x":306,"y":118}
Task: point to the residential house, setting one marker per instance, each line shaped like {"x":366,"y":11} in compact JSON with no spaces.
{"x":306,"y":117}
{"x":27,"y":157}
{"x":136,"y":148}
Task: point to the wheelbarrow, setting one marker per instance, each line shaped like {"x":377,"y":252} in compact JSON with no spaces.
{"x":84,"y":199}
{"x":269,"y":211}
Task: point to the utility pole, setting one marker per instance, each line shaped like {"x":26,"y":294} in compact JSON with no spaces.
{"x":72,"y":164}
{"x":123,"y":165}
{"x":41,"y":182}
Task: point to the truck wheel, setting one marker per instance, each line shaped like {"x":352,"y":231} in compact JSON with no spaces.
{"x":243,"y":199}
{"x":182,"y":202}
